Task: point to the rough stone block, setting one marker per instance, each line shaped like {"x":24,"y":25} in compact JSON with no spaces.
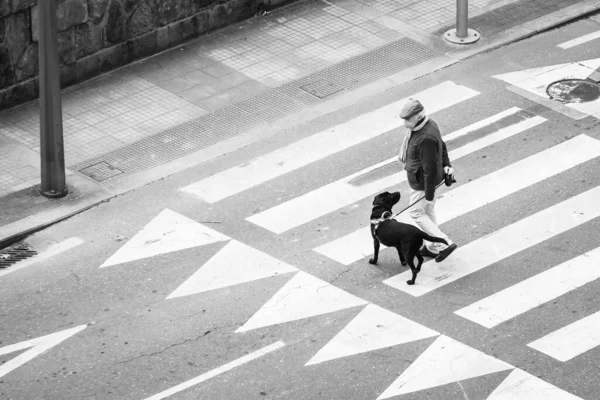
{"x":165,"y":11}
{"x":97,"y":9}
{"x":5,"y":7}
{"x":162,"y":38}
{"x":202,"y":23}
{"x":187,"y":8}
{"x":114,"y":56}
{"x":68,"y":14}
{"x":183,"y":30}
{"x":141,"y":21}
{"x":230,"y":12}
{"x":19,"y":94}
{"x":144,"y":45}
{"x":28,"y":64}
{"x":89,"y":38}
{"x":84,"y":69}
{"x":7,"y":76}
{"x":116,"y":26}
{"x":18,"y":5}
{"x":16,"y":35}
{"x":67,"y":53}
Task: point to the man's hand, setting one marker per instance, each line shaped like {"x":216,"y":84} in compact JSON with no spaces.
{"x":448,"y":171}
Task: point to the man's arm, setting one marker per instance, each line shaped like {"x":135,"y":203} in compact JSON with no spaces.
{"x":445,"y":158}
{"x":427,"y":153}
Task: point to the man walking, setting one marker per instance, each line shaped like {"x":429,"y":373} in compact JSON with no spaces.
{"x":425,"y":160}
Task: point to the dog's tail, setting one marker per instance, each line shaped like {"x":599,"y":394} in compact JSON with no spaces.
{"x":434,"y":239}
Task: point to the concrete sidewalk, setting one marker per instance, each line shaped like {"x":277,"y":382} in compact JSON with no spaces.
{"x":237,"y":86}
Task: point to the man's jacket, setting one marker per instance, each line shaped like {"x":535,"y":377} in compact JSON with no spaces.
{"x":426,"y":158}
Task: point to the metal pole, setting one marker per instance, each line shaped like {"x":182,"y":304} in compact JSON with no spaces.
{"x":462,"y":34}
{"x":53,"y":181}
{"x":462,"y":18}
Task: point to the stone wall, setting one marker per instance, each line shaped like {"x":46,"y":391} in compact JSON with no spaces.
{"x":96,"y":36}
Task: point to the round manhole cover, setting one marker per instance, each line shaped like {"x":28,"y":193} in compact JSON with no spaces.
{"x":574,"y":91}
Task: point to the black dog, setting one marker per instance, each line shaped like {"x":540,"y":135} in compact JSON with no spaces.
{"x":407,"y":239}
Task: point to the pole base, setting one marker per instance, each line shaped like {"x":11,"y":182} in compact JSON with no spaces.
{"x":472,"y":36}
{"x":54,"y":194}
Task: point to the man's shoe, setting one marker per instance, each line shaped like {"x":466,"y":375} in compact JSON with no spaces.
{"x":425,"y":252}
{"x":446,"y":252}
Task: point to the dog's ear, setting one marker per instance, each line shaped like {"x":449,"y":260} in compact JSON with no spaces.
{"x":379,"y":198}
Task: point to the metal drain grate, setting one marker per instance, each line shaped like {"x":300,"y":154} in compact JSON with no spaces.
{"x":14,"y":254}
{"x":322,"y":88}
{"x":101,"y":171}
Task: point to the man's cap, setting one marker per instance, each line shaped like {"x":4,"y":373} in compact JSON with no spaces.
{"x":411,"y":108}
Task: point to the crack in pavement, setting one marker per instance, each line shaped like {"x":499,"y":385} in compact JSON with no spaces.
{"x":340,"y":275}
{"x":164,"y":350}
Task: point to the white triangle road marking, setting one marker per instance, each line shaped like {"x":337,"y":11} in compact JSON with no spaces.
{"x":526,"y":74}
{"x":323,"y":144}
{"x":503,"y":243}
{"x":373,"y":328}
{"x":519,"y":385}
{"x":36,"y":347}
{"x":532,"y":292}
{"x":445,"y":361}
{"x":234,"y":264}
{"x":571,"y":340}
{"x":342,"y":192}
{"x":167,"y":232}
{"x":302,"y":297}
{"x":358,"y":244}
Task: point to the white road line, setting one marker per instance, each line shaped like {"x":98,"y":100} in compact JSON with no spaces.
{"x":217,"y":371}
{"x":333,"y":196}
{"x":532,"y":292}
{"x":572,"y":340}
{"x":49,"y":252}
{"x":321,"y":145}
{"x":36,"y":347}
{"x":503,"y":243}
{"x":358,"y":244}
{"x":580,"y":40}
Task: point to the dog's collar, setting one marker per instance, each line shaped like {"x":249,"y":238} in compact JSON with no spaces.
{"x":384,"y":217}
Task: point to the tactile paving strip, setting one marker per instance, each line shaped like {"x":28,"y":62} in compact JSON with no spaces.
{"x":259,"y":110}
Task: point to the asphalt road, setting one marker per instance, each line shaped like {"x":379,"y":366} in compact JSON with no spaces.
{"x":162,"y":286}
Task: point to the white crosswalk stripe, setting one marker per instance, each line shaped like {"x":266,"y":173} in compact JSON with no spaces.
{"x":532,"y":292}
{"x":571,"y":340}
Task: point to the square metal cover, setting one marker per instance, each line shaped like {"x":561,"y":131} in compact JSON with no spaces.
{"x":101,"y":171}
{"x":322,"y":88}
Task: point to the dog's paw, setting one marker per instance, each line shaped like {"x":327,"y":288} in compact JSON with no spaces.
{"x":372,"y":261}
{"x":410,"y":282}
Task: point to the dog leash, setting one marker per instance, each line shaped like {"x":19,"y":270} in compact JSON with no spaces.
{"x":416,"y":201}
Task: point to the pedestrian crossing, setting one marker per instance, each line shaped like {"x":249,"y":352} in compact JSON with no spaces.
{"x":321,"y":145}
{"x":305,"y":296}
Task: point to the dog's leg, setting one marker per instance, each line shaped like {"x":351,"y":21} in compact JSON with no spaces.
{"x":402,"y":259}
{"x":410,"y":259}
{"x":375,"y":247}
{"x":420,"y":259}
